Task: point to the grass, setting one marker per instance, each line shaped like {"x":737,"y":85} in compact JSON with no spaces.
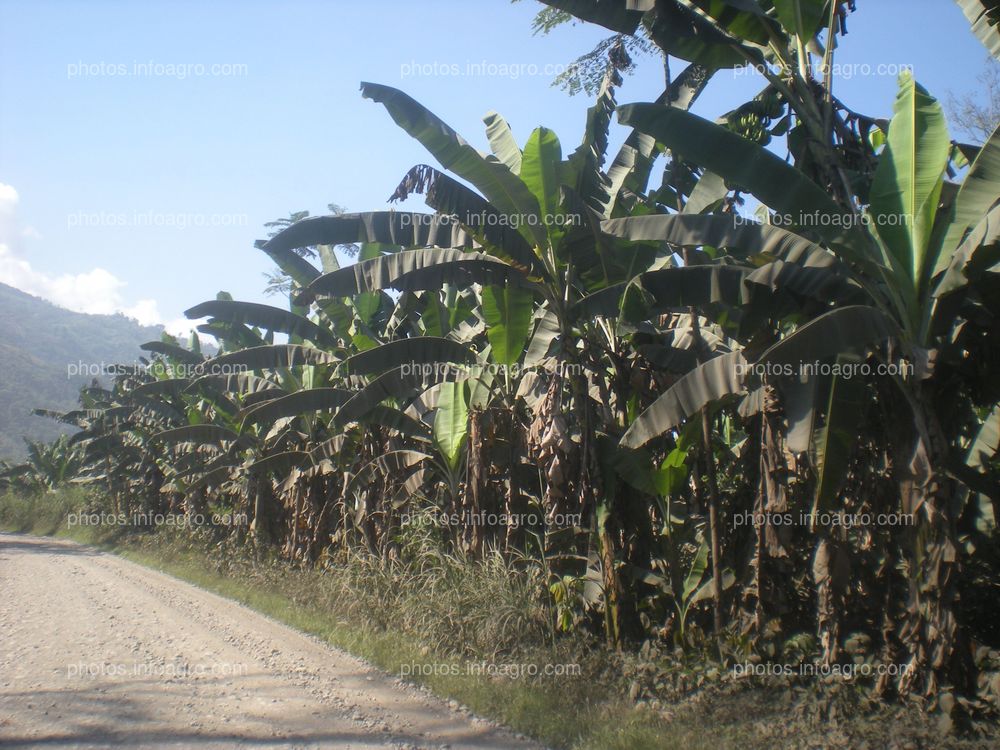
{"x":432,"y":609}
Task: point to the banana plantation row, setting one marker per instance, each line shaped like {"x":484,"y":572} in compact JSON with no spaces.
{"x":709,"y":421}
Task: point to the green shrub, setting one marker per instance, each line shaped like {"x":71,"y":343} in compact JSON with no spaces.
{"x":42,"y":512}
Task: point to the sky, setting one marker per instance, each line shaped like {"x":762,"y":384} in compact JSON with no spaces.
{"x":144,"y":145}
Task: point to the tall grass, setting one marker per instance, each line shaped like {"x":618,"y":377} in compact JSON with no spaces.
{"x":428,"y":606}
{"x":42,"y":512}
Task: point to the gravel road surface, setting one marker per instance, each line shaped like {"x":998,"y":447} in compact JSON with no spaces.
{"x":96,"y":651}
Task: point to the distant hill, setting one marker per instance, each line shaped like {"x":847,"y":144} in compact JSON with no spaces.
{"x":40,"y":345}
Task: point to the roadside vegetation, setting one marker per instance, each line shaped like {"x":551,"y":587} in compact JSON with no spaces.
{"x":710,"y":420}
{"x":414,"y":618}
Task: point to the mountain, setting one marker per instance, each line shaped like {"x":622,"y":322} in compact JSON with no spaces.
{"x":47,"y":354}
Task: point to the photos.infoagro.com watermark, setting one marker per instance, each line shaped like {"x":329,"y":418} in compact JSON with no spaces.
{"x":157,"y":369}
{"x":151,"y":519}
{"x":848,"y":671}
{"x":804,"y":370}
{"x":822,"y":519}
{"x":824,"y":220}
{"x":153,"y":220}
{"x":477,"y":219}
{"x":155,"y":69}
{"x":453,"y":369}
{"x":481,"y":69}
{"x":510,"y":670}
{"x":166,"y":669}
{"x":841,"y":70}
{"x":442,"y":519}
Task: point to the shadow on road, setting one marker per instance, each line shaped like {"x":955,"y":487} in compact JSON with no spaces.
{"x":123,"y":713}
{"x":12,"y":543}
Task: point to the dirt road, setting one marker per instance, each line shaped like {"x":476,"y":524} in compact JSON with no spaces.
{"x":96,"y":651}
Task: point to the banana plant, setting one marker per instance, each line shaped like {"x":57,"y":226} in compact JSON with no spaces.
{"x":530,"y":240}
{"x":906,"y":269}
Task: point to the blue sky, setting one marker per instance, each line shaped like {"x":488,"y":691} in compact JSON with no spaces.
{"x":144,"y":145}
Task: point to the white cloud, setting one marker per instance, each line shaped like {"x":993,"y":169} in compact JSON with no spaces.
{"x":182,"y":328}
{"x":96,"y":291}
{"x":145,"y":311}
{"x":8,"y":208}
{"x":8,"y":197}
